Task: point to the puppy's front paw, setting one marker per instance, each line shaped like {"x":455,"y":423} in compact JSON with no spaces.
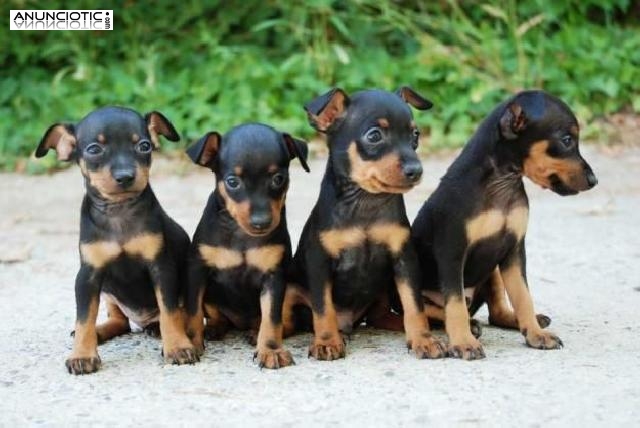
{"x":542,"y":340}
{"x":467,"y":349}
{"x":427,"y":346}
{"x":79,"y":365}
{"x":273,"y":358}
{"x":327,"y":349}
{"x":181,"y":355}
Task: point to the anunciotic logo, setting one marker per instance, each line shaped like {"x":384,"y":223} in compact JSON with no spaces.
{"x":61,"y":20}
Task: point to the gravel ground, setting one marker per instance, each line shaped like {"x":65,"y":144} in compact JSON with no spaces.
{"x":584,"y":265}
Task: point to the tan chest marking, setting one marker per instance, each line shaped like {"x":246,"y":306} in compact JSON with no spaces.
{"x":485,"y":224}
{"x":220,"y":257}
{"x":394,"y":236}
{"x":517,"y":221}
{"x":334,"y":241}
{"x":265,"y":258}
{"x":490,"y":222}
{"x":146,"y":245}
{"x":100,"y":253}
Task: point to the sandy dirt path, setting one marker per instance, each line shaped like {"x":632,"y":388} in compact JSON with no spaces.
{"x":584,"y":270}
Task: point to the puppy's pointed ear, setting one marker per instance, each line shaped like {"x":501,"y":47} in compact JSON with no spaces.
{"x":60,"y":137}
{"x":297,"y":149}
{"x":205,"y":151}
{"x":324,"y":110}
{"x":158,"y":124}
{"x":413,"y":98}
{"x":513,"y":121}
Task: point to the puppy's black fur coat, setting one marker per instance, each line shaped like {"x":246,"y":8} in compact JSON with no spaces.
{"x":470,"y":232}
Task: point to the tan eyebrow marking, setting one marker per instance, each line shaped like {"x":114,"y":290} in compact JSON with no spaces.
{"x":574,"y":131}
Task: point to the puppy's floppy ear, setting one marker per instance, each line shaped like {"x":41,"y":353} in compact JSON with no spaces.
{"x":513,"y":121}
{"x":524,"y":109}
{"x":157,"y":124}
{"x":324,"y":110}
{"x":205,"y":151}
{"x":60,"y":137}
{"x":413,"y":98}
{"x":297,"y":149}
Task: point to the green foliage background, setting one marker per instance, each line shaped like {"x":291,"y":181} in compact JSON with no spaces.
{"x":211,"y":65}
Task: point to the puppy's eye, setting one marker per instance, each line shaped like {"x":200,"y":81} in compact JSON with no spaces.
{"x":94,"y":149}
{"x":416,"y":139}
{"x":567,"y":140}
{"x":144,"y":147}
{"x":374,"y":135}
{"x":277,"y":180}
{"x":232,"y":182}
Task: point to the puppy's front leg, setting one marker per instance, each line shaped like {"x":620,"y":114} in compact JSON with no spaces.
{"x":84,"y":358}
{"x":462,"y":343}
{"x":416,"y":325}
{"x":196,"y":284}
{"x":328,"y":343}
{"x":513,"y":271}
{"x":176,"y":346}
{"x":269,"y":351}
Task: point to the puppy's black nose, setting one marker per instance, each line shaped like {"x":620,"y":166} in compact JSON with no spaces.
{"x":124,"y":178}
{"x":591,"y":179}
{"x":413,"y":171}
{"x":261,"y":221}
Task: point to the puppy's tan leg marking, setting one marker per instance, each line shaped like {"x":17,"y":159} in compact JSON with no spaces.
{"x":416,"y":326}
{"x":434,"y":312}
{"x":176,"y":346}
{"x":523,"y":307}
{"x":500,"y":313}
{"x":462,"y":344}
{"x":195,"y":325}
{"x":293,"y":296}
{"x":269,"y":351}
{"x":84,"y":357}
{"x":117,"y":324}
{"x":217,"y":324}
{"x":327,"y":342}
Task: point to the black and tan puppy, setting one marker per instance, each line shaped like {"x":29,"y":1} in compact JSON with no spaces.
{"x":470,"y":233}
{"x":130,"y":250}
{"x":355,"y":245}
{"x":241,"y":248}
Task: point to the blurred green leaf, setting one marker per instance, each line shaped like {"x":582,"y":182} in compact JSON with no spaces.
{"x":210,"y":66}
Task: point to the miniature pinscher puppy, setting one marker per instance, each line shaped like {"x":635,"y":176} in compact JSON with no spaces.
{"x":241,"y":248}
{"x":470,"y":233}
{"x":131,"y":252}
{"x":354,"y":251}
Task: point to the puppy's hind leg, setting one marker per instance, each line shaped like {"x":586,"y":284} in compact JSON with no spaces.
{"x":116,"y":325}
